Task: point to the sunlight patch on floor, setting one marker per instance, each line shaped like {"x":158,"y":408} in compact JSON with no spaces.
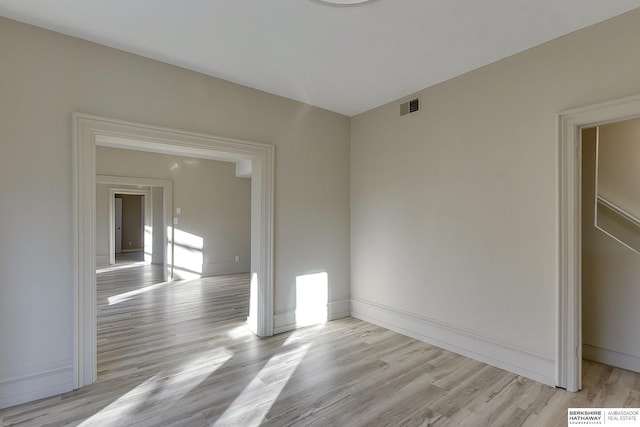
{"x":302,"y":333}
{"x":254,"y":402}
{"x":239,"y":332}
{"x":121,"y":267}
{"x":126,"y":296}
{"x":160,"y":391}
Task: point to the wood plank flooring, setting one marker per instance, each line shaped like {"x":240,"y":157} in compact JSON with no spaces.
{"x":179,"y":354}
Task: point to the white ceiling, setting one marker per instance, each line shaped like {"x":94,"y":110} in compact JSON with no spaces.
{"x":345,"y":59}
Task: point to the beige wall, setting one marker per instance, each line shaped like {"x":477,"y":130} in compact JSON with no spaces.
{"x":454,"y":209}
{"x":157,"y":198}
{"x":132,"y":222}
{"x":44,"y":77}
{"x":102,"y":225}
{"x":619,"y":179}
{"x":610,"y":272}
{"x":215,"y":205}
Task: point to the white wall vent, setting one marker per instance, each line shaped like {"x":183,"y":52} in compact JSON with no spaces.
{"x":410,"y":107}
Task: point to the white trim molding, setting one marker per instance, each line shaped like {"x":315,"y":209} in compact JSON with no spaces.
{"x":569,"y":304}
{"x":90,"y":131}
{"x":285,"y":322}
{"x":338,"y":309}
{"x":27,"y":388}
{"x":167,"y":208}
{"x":458,"y":340}
{"x":611,"y":357}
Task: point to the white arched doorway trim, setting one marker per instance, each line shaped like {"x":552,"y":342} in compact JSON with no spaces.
{"x":91,"y":131}
{"x":569,"y":331}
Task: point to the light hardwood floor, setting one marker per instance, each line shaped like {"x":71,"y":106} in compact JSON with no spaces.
{"x":179,"y":354}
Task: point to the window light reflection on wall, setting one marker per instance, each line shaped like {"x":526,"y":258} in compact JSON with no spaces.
{"x":311,"y":298}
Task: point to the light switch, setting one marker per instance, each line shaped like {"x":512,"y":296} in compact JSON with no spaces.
{"x":175,"y":221}
{"x":178,"y":211}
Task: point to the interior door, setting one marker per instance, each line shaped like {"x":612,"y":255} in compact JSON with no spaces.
{"x":117,"y":205}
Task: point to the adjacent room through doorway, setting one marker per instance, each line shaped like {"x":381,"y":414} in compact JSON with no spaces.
{"x":91,"y":132}
{"x":611,"y":243}
{"x":596,"y":215}
{"x":129,"y":226}
{"x":208,"y":247}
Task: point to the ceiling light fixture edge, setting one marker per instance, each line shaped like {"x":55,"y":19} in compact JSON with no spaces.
{"x":343,"y":2}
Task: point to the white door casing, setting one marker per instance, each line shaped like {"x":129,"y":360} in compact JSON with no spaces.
{"x":115,"y":182}
{"x":569,"y":297}
{"x":117,"y":231}
{"x":147,"y":218}
{"x":90,"y":131}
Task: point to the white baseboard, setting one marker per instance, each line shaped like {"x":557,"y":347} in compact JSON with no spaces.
{"x":34,"y":386}
{"x":222,"y":268}
{"x":338,"y":309}
{"x":457,"y":340}
{"x":285,"y":322}
{"x":610,"y":357}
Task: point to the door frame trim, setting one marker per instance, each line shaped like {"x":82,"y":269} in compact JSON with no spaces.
{"x":89,"y":131}
{"x":569,"y":290}
{"x":148,"y":215}
{"x":167,"y":197}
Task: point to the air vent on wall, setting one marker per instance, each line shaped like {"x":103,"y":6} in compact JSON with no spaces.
{"x":410,"y":107}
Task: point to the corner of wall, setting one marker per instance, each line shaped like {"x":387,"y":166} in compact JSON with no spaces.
{"x":533,"y":366}
{"x":285,"y":322}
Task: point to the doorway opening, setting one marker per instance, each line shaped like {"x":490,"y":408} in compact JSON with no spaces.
{"x":130,"y":220}
{"x":91,"y":131}
{"x":611,"y":244}
{"x":157,"y":215}
{"x":569,"y":332}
